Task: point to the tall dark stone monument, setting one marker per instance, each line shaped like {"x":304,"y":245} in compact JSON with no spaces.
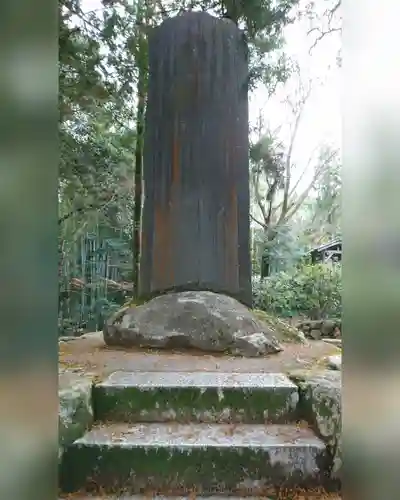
{"x":195,"y":231}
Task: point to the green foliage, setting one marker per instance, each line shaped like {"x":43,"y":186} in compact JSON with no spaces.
{"x":314,"y":291}
{"x":285,"y":248}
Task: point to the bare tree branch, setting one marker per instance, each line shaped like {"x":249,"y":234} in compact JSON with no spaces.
{"x":257,"y":221}
{"x":294,"y":189}
{"x":101,"y":204}
{"x":288,"y":161}
{"x":301,"y":199}
{"x":258,"y":197}
{"x":322,"y":32}
{"x":331,"y":12}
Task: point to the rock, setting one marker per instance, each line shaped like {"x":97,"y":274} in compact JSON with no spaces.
{"x":328,"y":327}
{"x":335,"y":362}
{"x":336,"y":342}
{"x":75,"y":413}
{"x":203,"y":320}
{"x":315,"y":334}
{"x":92,"y":336}
{"x":67,"y":338}
{"x":320,"y":398}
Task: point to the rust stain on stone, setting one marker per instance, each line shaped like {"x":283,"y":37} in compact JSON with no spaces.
{"x":142,"y":242}
{"x":232,"y":267}
{"x":165,"y":219}
{"x":162,"y":251}
{"x":175,"y":156}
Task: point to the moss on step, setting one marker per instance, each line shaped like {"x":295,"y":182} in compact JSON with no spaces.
{"x":195,"y":404}
{"x":228,"y":468}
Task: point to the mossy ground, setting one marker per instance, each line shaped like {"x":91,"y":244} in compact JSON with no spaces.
{"x":284,"y":331}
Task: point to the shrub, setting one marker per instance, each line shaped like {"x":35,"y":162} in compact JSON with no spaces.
{"x":314,"y":291}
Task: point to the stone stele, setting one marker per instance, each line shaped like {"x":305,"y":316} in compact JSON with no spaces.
{"x":197,"y":319}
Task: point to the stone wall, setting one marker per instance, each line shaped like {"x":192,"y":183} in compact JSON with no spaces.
{"x":321,"y":329}
{"x":75,"y":412}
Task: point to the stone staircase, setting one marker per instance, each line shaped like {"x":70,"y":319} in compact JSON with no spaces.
{"x":199,"y":433}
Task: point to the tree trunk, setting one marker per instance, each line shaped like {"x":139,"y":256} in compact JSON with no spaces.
{"x":141,"y":60}
{"x":138,"y":179}
{"x":265,"y":267}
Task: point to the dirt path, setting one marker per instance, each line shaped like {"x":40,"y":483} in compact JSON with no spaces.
{"x":89,"y":353}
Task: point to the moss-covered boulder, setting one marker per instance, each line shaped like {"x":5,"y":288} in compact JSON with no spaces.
{"x":320,"y":401}
{"x":75,"y":413}
{"x":202,"y":320}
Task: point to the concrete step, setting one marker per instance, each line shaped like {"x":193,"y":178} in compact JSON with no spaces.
{"x":185,"y":397}
{"x":205,"y":458}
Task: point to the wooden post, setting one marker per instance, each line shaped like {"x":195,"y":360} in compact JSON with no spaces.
{"x":195,"y":226}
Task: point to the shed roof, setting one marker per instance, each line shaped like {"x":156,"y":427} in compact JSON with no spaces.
{"x":327,"y":246}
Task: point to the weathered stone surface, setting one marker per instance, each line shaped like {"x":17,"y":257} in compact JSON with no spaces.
{"x":335,"y":362}
{"x":207,"y":458}
{"x":67,"y":338}
{"x":195,"y":223}
{"x":196,"y":397}
{"x":75,"y":413}
{"x":337,"y":342}
{"x":315,"y":334}
{"x":202,"y":320}
{"x":320,"y":398}
{"x":328,"y":327}
{"x":317,"y":329}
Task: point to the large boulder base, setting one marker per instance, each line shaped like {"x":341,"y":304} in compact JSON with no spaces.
{"x":201,"y":320}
